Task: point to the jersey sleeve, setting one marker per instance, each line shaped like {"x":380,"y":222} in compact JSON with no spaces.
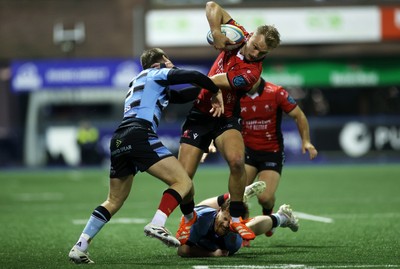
{"x":235,"y":23}
{"x":181,"y":76}
{"x":284,"y":100}
{"x":244,"y":77}
{"x":233,"y":242}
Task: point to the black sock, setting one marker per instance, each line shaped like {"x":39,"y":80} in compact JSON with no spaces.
{"x":237,"y":209}
{"x":187,"y":208}
{"x":267,"y":211}
{"x":274,"y":221}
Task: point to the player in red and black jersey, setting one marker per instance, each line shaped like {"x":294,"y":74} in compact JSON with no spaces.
{"x":235,"y":72}
{"x":261,"y":112}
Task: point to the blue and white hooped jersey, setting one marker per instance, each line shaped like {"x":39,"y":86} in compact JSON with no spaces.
{"x":147,"y":97}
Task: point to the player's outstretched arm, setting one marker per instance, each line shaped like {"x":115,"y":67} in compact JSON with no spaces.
{"x":304,"y":130}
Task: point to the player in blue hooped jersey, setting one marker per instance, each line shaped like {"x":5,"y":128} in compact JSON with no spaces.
{"x":212,"y":236}
{"x":136,"y":147}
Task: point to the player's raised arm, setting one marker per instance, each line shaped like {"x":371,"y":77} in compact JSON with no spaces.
{"x":216,"y":16}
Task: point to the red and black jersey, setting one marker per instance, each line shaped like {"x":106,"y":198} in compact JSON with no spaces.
{"x":242,"y":75}
{"x":262,"y":116}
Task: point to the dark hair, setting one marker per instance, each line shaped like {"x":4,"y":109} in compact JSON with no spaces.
{"x":271,"y":34}
{"x":152,"y":56}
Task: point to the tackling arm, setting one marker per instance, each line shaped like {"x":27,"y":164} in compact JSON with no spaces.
{"x":184,"y":95}
{"x":180,"y":76}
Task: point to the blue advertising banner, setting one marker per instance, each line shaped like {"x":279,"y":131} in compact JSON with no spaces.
{"x":69,"y":74}
{"x":59,"y":74}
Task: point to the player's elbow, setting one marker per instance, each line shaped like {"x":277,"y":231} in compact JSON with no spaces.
{"x":211,"y":4}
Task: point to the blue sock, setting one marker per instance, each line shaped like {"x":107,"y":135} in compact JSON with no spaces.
{"x":99,"y":217}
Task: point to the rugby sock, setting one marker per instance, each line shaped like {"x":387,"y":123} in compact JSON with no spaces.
{"x":275,"y":221}
{"x":280,"y":219}
{"x":159,"y":218}
{"x":169,"y":201}
{"x":237,"y":210}
{"x":267,"y":211}
{"x":187,"y":210}
{"x":100,"y":216}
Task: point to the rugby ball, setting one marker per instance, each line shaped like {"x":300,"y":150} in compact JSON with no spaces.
{"x":230,"y":31}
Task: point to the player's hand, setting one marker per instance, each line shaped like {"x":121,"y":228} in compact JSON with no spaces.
{"x":217,"y":103}
{"x":311,"y":150}
{"x":167,"y":62}
{"x":211,"y":149}
{"x":220,"y":41}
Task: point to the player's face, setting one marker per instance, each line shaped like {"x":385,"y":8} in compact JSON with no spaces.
{"x":222,"y":222}
{"x":255,"y":48}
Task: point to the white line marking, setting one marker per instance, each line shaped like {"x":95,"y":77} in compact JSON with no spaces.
{"x":302,"y":215}
{"x":44,"y":196}
{"x":115,"y":221}
{"x":290,"y":266}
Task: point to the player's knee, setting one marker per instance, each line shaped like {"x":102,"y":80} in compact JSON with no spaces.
{"x":236,"y":163}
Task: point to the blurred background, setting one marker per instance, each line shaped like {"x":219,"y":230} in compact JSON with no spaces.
{"x":65,"y":67}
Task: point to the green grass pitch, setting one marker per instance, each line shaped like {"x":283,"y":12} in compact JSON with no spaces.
{"x":350,"y":218}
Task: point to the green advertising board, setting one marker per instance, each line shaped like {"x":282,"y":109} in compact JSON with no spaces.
{"x":333,"y":73}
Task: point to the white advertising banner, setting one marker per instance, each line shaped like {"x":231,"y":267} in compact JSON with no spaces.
{"x":189,"y":27}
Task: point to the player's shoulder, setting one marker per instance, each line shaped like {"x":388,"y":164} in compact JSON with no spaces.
{"x":273,"y":88}
{"x":157,"y":73}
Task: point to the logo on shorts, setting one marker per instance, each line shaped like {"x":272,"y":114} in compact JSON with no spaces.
{"x":118,"y":143}
{"x":270,"y":164}
{"x":186,"y":134}
{"x":195,"y":135}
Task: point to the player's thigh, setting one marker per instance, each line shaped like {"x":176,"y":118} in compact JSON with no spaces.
{"x":251,"y":173}
{"x":271,"y":179}
{"x":230,"y":144}
{"x":170,"y":171}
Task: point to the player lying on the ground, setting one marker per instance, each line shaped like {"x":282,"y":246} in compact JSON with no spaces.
{"x":211,"y":236}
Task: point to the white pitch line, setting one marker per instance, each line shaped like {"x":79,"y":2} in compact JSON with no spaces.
{"x":302,"y":215}
{"x":272,"y":266}
{"x":296,"y":266}
{"x":43,"y":196}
